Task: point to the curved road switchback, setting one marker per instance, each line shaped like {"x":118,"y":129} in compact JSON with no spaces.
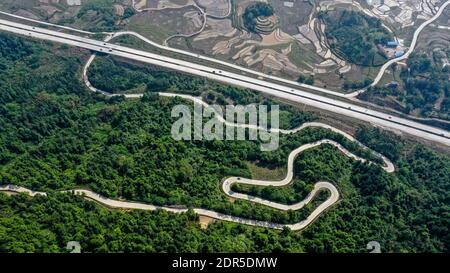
{"x":223,"y":76}
{"x":227,"y":184}
{"x":198,"y":56}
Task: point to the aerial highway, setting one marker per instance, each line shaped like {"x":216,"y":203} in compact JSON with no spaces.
{"x":348,"y":109}
{"x":388,"y":166}
{"x":261,"y":75}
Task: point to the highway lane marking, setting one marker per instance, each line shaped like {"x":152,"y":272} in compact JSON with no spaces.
{"x":231,"y":65}
{"x":227,"y":184}
{"x":377,"y":117}
{"x":230,"y":181}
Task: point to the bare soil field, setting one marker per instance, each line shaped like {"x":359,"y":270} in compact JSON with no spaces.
{"x":216,"y":8}
{"x":291,"y":17}
{"x":290,"y":43}
{"x":205,"y":221}
{"x":161,"y":4}
{"x":158,"y":25}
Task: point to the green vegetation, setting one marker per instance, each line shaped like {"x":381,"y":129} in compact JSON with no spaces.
{"x":356,"y":85}
{"x":252,"y":13}
{"x":354,"y":36}
{"x":56,"y":135}
{"x":306,"y":79}
{"x":100,"y":14}
{"x":106,"y":74}
{"x":423,"y":88}
{"x":48,"y":224}
{"x":58,"y":140}
{"x":119,"y":76}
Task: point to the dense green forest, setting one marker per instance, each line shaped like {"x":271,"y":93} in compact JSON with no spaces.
{"x":423,"y":87}
{"x":108,"y":76}
{"x":354,"y":36}
{"x":56,"y":135}
{"x":122,"y":148}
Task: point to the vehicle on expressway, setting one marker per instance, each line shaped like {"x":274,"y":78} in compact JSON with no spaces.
{"x":222,"y":135}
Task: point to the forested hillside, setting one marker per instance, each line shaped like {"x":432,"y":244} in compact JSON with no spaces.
{"x":421,"y":88}
{"x":354,"y":36}
{"x":56,"y":135}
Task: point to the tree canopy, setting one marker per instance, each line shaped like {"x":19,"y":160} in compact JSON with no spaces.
{"x":254,"y":11}
{"x":57,"y":135}
{"x":354,"y":36}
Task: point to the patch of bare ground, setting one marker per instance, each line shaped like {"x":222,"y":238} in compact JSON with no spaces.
{"x":205,"y":221}
{"x":119,"y":10}
{"x":215,"y":8}
{"x":163,"y":4}
{"x":158,"y":25}
{"x":216,"y":28}
{"x":266,"y":172}
{"x":26,"y":14}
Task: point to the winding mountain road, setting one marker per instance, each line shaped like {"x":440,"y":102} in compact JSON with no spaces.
{"x":388,"y":166}
{"x":226,"y":186}
{"x":374,"y":117}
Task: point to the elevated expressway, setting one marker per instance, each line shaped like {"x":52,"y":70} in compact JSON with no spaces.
{"x":297,"y":95}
